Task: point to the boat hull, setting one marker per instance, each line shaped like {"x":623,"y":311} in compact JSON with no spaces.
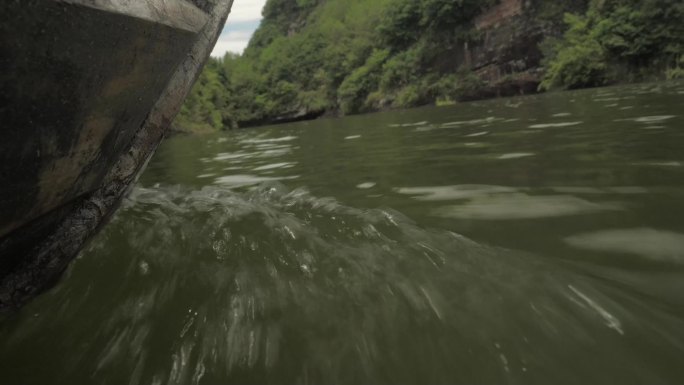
{"x":89,"y":89}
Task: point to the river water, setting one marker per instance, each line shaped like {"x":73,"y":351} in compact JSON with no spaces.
{"x":532,"y":240}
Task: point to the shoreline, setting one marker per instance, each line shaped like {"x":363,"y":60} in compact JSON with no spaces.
{"x":335,"y":114}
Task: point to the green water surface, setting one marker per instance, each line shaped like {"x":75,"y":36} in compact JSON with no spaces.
{"x":532,"y":240}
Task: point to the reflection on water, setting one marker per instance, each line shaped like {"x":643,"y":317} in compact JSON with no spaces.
{"x":649,"y":243}
{"x":649,"y":119}
{"x":440,"y":193}
{"x":516,"y":155}
{"x":522,"y":206}
{"x":366,"y":185}
{"x":552,"y":125}
{"x":501,"y":203}
{"x":387,"y":249}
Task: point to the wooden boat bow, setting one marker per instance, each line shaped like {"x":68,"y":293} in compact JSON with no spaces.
{"x":89,"y":89}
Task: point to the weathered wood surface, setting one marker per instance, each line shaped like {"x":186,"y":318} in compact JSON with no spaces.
{"x":88,"y":94}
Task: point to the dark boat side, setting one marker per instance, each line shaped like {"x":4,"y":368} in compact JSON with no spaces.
{"x":88,"y":89}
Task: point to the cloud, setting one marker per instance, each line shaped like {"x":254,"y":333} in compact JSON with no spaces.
{"x":246,"y":10}
{"x":243,"y":20}
{"x":231,"y":41}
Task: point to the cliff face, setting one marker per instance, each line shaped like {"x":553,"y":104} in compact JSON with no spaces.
{"x":498,"y":14}
{"x":508,"y":42}
{"x":507,"y":54}
{"x":502,"y":50}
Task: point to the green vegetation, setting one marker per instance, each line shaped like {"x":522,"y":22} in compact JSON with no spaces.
{"x":335,"y":57}
{"x":311,"y":57}
{"x":618,"y":40}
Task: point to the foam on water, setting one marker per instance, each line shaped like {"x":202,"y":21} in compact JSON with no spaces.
{"x":515,"y":155}
{"x":477,"y":134}
{"x":273,"y":285}
{"x":366,"y":185}
{"x":555,"y":125}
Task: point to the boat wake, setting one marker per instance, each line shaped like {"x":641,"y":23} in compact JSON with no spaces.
{"x":280,"y":286}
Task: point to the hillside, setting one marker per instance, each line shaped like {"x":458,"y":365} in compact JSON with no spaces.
{"x":337,"y":57}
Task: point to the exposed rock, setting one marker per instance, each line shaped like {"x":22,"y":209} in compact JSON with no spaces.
{"x":508,"y":55}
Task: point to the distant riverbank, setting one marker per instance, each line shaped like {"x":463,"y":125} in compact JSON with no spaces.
{"x":335,"y":58}
{"x":178,"y":129}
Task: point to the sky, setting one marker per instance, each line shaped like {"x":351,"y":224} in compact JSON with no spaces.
{"x":244,"y":18}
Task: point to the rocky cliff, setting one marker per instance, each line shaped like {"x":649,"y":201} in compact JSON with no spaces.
{"x":507,"y":54}
{"x":339,"y":57}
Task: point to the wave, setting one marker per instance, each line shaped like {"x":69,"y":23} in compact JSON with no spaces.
{"x":280,"y":286}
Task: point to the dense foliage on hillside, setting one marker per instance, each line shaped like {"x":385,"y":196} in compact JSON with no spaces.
{"x":314,"y":57}
{"x":618,"y":40}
